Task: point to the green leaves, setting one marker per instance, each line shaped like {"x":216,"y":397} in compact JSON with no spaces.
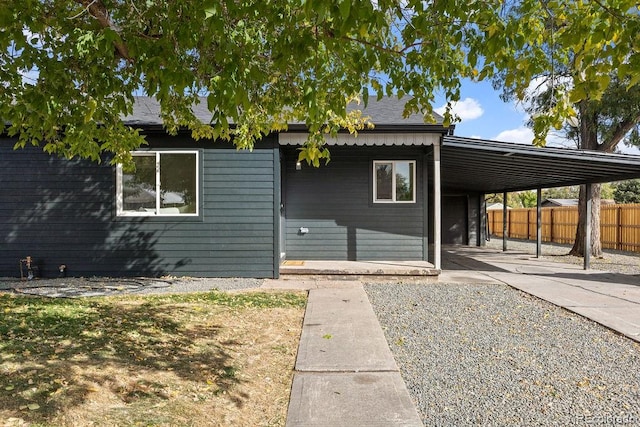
{"x":262,"y":64}
{"x":345,"y":8}
{"x":212,"y":9}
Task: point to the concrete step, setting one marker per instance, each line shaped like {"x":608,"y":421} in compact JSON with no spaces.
{"x":359,"y":268}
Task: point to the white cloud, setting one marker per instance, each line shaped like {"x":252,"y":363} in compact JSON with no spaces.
{"x":625,"y":149}
{"x":555,"y":139}
{"x":521,"y":135}
{"x":524,"y":135}
{"x":537,"y":86}
{"x":467,"y":109}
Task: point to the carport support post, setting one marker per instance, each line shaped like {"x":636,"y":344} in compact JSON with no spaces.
{"x":587,"y":228}
{"x":504,"y":222}
{"x":437,"y":207}
{"x":538,"y":222}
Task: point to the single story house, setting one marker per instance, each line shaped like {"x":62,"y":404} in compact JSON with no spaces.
{"x":551,"y":202}
{"x":397,"y":192}
{"x":547,"y":203}
{"x":495,"y":206}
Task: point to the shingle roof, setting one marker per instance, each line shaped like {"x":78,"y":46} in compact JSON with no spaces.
{"x":385,"y":112}
{"x":388,"y":111}
{"x":561,"y":202}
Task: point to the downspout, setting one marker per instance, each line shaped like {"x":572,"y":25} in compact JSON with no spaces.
{"x":277,"y":194}
{"x":437,"y":207}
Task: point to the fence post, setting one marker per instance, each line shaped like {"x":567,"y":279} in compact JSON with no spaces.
{"x":619,"y":228}
{"x":538,"y":223}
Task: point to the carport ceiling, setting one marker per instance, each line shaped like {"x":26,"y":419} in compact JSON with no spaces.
{"x":494,"y":167}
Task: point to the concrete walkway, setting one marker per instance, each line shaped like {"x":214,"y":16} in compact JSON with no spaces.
{"x":345,"y":373}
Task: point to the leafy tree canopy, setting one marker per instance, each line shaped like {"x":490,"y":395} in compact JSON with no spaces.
{"x":69,"y":68}
{"x":528,"y":199}
{"x":602,"y":110}
{"x":627,"y":191}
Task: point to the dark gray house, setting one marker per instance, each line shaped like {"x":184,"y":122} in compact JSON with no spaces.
{"x":397,"y":192}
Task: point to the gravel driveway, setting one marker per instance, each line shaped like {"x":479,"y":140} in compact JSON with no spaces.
{"x":491,"y":355}
{"x":487,"y":354}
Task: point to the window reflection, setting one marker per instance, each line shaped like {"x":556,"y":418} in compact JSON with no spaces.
{"x":384,"y":181}
{"x":163,"y":183}
{"x":139,"y":187}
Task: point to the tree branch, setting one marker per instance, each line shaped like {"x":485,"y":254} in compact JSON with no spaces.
{"x":98,"y":10}
{"x":608,"y":10}
{"x":620,"y":131}
{"x":400,"y":51}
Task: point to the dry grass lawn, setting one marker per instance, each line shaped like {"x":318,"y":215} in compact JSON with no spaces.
{"x":175,"y":360}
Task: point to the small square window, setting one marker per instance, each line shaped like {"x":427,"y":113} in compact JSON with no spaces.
{"x":394,"y":181}
{"x":163,"y":184}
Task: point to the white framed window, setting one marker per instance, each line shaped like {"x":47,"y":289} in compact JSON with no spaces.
{"x":394,"y":181}
{"x":164,"y":183}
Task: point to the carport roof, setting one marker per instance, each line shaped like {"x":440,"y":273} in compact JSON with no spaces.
{"x":491,"y":166}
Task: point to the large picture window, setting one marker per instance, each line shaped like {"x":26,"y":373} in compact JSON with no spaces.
{"x":394,"y":181}
{"x":164,"y":183}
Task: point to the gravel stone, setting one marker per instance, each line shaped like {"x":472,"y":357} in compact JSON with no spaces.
{"x":73,"y":287}
{"x":491,"y":355}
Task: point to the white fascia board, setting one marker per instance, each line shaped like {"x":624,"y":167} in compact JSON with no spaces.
{"x":366,"y":139}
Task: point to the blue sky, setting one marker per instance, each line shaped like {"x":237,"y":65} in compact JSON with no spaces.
{"x":485,"y":115}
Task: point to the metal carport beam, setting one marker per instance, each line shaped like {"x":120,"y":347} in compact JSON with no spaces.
{"x":486,"y":166}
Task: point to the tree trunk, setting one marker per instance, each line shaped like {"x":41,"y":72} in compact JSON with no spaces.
{"x":588,"y":141}
{"x":596,"y":246}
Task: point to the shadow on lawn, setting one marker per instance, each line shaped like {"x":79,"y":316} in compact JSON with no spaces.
{"x":54,"y":352}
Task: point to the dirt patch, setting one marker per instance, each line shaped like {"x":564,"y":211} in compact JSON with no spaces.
{"x":188,"y":360}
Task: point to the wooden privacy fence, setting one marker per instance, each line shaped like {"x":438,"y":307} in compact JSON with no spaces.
{"x":619,"y":225}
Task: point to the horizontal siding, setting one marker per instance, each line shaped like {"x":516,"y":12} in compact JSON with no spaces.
{"x":63,"y":212}
{"x":334,"y":202}
{"x":238,"y":185}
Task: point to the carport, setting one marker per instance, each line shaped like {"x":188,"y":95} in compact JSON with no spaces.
{"x":467,"y":165}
